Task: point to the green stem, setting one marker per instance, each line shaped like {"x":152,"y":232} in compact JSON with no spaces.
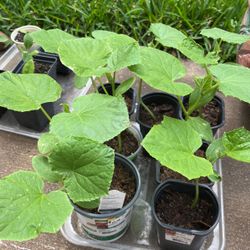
{"x":45,"y":113}
{"x":102,"y":85}
{"x":111,"y":81}
{"x":183,"y":108}
{"x":119,"y":143}
{"x":196,"y":198}
{"x":142,"y":103}
{"x":94,"y":85}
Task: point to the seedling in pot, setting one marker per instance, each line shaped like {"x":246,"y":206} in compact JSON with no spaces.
{"x":72,"y":156}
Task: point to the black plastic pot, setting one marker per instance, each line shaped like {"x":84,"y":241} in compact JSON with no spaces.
{"x":221,"y":104}
{"x":159,"y":98}
{"x":35,"y":119}
{"x":96,"y":226}
{"x":130,"y":93}
{"x":158,"y":169}
{"x":176,"y":238}
{"x":42,"y":58}
{"x":2,"y":110}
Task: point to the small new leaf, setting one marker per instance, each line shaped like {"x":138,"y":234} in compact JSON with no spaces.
{"x":46,"y":143}
{"x":28,"y":41}
{"x":124,"y":86}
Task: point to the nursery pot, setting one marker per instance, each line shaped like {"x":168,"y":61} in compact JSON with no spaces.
{"x":177,"y":238}
{"x":110,"y":226}
{"x":26,"y":28}
{"x":158,"y":98}
{"x":43,"y":58}
{"x":130,"y":93}
{"x":221,"y":105}
{"x":2,"y":110}
{"x":35,"y":119}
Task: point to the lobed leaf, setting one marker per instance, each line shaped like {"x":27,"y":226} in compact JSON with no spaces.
{"x":26,"y":211}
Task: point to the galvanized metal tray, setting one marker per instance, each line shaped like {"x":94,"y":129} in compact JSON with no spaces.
{"x":141,"y":234}
{"x":8,"y":62}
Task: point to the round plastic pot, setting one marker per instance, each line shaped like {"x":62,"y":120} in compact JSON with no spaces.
{"x":35,"y":120}
{"x":221,"y":104}
{"x":130,"y":93}
{"x":159,"y":98}
{"x":112,"y":225}
{"x":158,"y":169}
{"x":26,"y":28}
{"x":177,"y":238}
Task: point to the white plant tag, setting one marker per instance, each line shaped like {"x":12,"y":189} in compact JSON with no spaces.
{"x":182,"y":238}
{"x":114,"y":200}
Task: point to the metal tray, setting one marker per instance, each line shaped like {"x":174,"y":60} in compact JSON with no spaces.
{"x":8,"y":61}
{"x":141,"y":234}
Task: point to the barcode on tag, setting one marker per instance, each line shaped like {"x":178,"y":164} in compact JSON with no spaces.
{"x":114,"y":200}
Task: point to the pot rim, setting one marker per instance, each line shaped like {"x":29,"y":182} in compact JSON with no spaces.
{"x":127,"y":206}
{"x":180,"y":229}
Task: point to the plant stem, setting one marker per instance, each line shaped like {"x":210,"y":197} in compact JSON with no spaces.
{"x":45,"y":113}
{"x":111,"y":81}
{"x":196,"y":198}
{"x":183,"y":108}
{"x":119,"y":143}
{"x":94,"y":85}
{"x":142,"y":103}
{"x":102,"y":85}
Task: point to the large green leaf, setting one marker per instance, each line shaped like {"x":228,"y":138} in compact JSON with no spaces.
{"x":86,"y":166}
{"x":43,"y":168}
{"x":125,"y":50}
{"x":161,"y":70}
{"x":50,"y":40}
{"x":26,"y":211}
{"x":95,"y":116}
{"x":234,"y":144}
{"x":224,"y":35}
{"x":25,"y":92}
{"x":85,"y":56}
{"x":173,"y":143}
{"x":233,"y":80}
{"x":174,"y":38}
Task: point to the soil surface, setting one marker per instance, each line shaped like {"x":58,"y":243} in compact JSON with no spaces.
{"x":129,"y":101}
{"x":42,"y":67}
{"x":124,"y":181}
{"x":129,"y":143}
{"x":210,"y":112}
{"x":159,"y":110}
{"x":20,"y":36}
{"x":174,"y":208}
{"x":166,"y":173}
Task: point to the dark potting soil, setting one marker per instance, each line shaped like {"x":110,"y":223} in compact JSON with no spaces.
{"x":174,"y":208}
{"x":210,"y":112}
{"x":42,"y":67}
{"x":20,"y":36}
{"x":159,"y":110}
{"x":129,"y":143}
{"x":166,"y":173}
{"x":124,"y":181}
{"x":128,"y":101}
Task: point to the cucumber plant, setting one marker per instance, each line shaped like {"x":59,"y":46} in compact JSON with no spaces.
{"x":71,"y":154}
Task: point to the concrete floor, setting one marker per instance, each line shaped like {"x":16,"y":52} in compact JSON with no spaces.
{"x":16,"y":153}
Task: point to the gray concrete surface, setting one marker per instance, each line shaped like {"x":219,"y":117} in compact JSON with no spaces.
{"x":16,"y":153}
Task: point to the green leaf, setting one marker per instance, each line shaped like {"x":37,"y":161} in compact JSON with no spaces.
{"x":86,"y":166}
{"x":41,"y":165}
{"x":174,"y":38}
{"x":46,"y":143}
{"x":29,"y":67}
{"x":26,"y":211}
{"x":95,"y":116}
{"x":80,"y":81}
{"x":233,"y":80}
{"x":66,"y":107}
{"x":215,"y":177}
{"x":90,"y":204}
{"x":224,"y":35}
{"x":215,"y":150}
{"x":202,"y":127}
{"x":4,"y":39}
{"x":28,"y":41}
{"x":85,"y":56}
{"x":124,"y":86}
{"x":175,"y":148}
{"x":25,"y":92}
{"x":50,"y":40}
{"x":160,"y":70}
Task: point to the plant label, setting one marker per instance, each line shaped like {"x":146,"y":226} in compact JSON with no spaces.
{"x":178,"y":237}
